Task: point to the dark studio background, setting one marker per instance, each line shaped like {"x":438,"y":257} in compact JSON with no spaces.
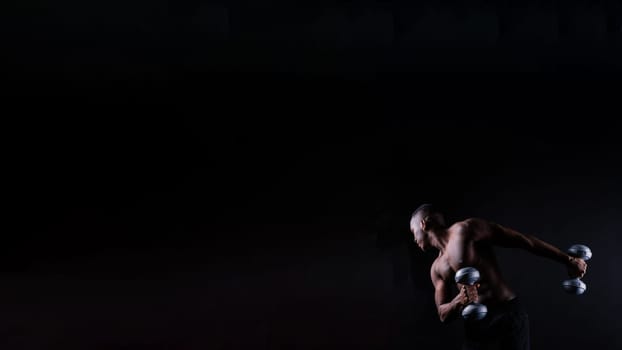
{"x":231,"y":175}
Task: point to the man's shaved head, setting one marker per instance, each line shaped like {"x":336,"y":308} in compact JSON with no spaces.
{"x":429,"y":211}
{"x":423,"y":209}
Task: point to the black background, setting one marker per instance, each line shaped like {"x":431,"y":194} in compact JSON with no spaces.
{"x":241,"y":174}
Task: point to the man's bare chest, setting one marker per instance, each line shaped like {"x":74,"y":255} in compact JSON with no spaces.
{"x":443,"y":268}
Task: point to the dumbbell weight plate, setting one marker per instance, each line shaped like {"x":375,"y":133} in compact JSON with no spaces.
{"x":574,"y":286}
{"x":467,"y":275}
{"x":580,"y":251}
{"x":474,"y":312}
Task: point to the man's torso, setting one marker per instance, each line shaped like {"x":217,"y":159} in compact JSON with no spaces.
{"x":476,"y":251}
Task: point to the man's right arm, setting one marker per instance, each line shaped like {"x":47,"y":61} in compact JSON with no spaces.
{"x":447,"y":309}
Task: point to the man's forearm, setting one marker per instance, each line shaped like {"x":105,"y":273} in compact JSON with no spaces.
{"x":541,"y":248}
{"x":448,"y":311}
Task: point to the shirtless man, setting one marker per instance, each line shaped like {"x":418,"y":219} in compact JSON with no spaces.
{"x":470,"y":243}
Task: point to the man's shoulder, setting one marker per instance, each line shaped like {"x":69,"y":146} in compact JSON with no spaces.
{"x":471,"y":222}
{"x":470,"y":228}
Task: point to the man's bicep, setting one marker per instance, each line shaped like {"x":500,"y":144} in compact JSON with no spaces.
{"x":462,"y":253}
{"x":441,"y":292}
{"x":507,"y":237}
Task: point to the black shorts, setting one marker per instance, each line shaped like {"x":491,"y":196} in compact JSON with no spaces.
{"x":506,"y":326}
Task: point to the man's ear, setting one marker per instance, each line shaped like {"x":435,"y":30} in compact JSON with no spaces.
{"x":423,"y":223}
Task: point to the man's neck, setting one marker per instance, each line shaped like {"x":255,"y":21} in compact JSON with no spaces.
{"x":441,"y":238}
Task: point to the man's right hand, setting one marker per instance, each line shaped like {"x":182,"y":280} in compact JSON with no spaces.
{"x":468,"y":294}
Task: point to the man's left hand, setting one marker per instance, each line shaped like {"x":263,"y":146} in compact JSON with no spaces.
{"x":576,"y":267}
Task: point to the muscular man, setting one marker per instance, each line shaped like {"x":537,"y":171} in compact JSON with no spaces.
{"x":470,"y":243}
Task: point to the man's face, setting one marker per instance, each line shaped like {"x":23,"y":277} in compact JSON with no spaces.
{"x":419,"y":236}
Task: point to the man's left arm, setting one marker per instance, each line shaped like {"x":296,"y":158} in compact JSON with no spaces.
{"x":510,"y":238}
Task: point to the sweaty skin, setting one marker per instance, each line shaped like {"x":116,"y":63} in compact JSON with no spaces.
{"x":470,"y":243}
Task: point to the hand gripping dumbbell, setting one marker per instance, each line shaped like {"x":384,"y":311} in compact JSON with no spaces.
{"x":575,"y":285}
{"x":472,"y":311}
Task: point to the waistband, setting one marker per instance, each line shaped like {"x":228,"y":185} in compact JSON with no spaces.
{"x":504,"y":306}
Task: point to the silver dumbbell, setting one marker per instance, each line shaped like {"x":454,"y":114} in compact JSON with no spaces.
{"x":473,"y":311}
{"x":575,"y":285}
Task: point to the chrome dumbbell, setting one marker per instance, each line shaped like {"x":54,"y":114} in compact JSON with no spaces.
{"x":575,"y":285}
{"x":472,"y":311}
